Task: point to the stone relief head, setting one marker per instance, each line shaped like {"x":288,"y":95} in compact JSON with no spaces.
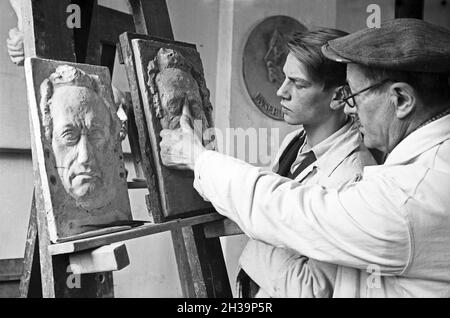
{"x":83,"y":130}
{"x":274,"y":58}
{"x":174,"y":83}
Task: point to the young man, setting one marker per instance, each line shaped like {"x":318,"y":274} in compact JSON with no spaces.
{"x":327,"y":150}
{"x":392,"y":227}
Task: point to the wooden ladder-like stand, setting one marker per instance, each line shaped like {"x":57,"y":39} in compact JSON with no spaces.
{"x":196,"y":241}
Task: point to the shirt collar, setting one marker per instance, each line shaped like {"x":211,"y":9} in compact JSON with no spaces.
{"x":420,"y":141}
{"x":334,"y":149}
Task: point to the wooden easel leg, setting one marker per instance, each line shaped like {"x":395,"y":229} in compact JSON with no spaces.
{"x":60,"y":281}
{"x":201,"y":265}
{"x":212,"y":264}
{"x":30,"y":282}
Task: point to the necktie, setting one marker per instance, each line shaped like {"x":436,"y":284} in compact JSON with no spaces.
{"x":289,"y":155}
{"x":310,"y":157}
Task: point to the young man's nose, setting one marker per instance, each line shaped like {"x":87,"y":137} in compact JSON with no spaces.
{"x":282,"y":91}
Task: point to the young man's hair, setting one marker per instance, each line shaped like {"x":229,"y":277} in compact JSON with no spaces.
{"x":432,"y":88}
{"x":306,"y":47}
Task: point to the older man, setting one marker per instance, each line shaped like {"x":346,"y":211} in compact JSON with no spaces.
{"x":388,"y":232}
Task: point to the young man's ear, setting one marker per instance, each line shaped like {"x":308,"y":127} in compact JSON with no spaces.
{"x":336,"y":101}
{"x":403,"y":97}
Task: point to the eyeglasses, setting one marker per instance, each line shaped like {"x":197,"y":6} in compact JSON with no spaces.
{"x":349,"y":98}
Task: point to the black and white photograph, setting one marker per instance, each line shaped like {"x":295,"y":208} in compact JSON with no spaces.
{"x":236,"y":151}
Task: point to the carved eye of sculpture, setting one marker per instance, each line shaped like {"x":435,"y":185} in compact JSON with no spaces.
{"x":70,"y":136}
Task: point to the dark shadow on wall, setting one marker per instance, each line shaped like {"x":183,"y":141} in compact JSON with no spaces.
{"x":409,"y":9}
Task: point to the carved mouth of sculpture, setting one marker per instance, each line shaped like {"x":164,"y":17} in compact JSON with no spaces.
{"x":83,"y":177}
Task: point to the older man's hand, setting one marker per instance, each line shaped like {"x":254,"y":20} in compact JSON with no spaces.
{"x":181,"y":147}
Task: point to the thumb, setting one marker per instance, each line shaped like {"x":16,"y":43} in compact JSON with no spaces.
{"x":186,"y":117}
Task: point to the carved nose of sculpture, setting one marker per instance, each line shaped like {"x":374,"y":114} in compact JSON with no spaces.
{"x":85,"y":150}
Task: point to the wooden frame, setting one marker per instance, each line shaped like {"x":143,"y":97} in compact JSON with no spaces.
{"x":175,"y":187}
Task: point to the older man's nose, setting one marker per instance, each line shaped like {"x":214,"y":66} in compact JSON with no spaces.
{"x":85,"y":150}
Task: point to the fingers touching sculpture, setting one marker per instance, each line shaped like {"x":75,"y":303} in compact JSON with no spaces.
{"x":174,"y":83}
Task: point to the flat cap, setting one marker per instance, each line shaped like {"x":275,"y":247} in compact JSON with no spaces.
{"x":400,"y":44}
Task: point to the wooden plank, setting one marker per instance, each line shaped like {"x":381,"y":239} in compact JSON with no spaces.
{"x":141,"y":126}
{"x":184,"y":268}
{"x":46,"y":264}
{"x":224,"y":227}
{"x":143,"y":230}
{"x":212,"y":264}
{"x":201,"y":265}
{"x":33,"y":287}
{"x":152,"y":18}
{"x":188,"y":261}
{"x":107,"y":258}
{"x":30,"y":251}
{"x":45,"y":30}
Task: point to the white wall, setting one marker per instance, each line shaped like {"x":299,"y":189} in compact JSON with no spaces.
{"x":15,"y":169}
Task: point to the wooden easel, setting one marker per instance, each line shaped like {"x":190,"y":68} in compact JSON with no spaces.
{"x":196,"y":240}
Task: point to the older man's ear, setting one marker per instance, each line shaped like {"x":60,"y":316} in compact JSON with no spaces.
{"x":403,"y":97}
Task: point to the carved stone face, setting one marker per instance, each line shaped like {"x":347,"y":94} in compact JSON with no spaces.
{"x":174,"y":87}
{"x":83,"y":146}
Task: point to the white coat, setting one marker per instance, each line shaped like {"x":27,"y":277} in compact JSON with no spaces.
{"x":392,"y":227}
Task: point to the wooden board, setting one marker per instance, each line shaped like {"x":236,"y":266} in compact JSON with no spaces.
{"x":143,"y":230}
{"x":108,"y":258}
{"x":68,"y":215}
{"x":177,"y":196}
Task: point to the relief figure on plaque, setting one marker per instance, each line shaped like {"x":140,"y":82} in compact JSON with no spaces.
{"x":174,"y":83}
{"x":83,"y":130}
{"x":275,"y":57}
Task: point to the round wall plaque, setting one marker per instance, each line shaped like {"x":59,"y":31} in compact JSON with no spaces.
{"x":264,"y":56}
